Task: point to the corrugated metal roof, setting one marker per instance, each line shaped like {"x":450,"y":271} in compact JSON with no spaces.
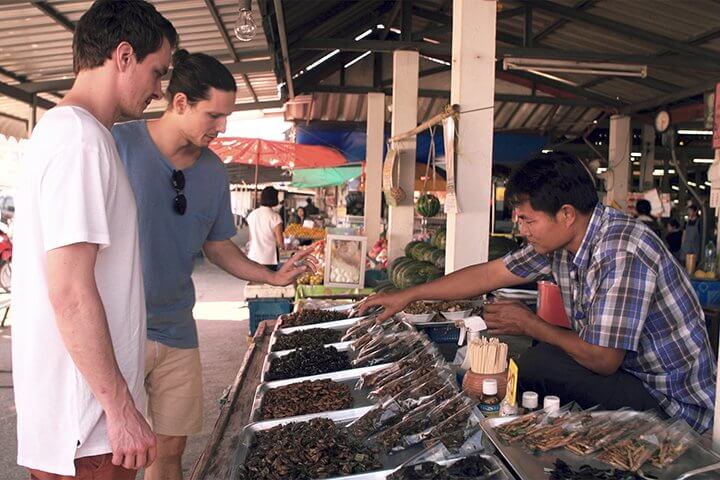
{"x":44,"y":52}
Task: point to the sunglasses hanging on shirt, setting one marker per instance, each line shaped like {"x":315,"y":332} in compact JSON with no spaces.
{"x":178,"y":183}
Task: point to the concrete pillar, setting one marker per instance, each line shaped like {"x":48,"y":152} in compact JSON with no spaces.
{"x":404,"y":118}
{"x":618,"y":178}
{"x":373,"y":166}
{"x":473,"y":88}
{"x":647,"y":161}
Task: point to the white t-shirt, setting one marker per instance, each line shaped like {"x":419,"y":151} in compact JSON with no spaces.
{"x":262,"y":222}
{"x":74,"y":189}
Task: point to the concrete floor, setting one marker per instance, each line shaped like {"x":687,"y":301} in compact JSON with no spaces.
{"x":222,"y":325}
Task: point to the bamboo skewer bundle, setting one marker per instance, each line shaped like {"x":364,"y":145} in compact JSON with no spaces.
{"x":487,"y":356}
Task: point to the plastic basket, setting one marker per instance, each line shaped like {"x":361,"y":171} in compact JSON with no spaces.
{"x":442,"y":333}
{"x":708,"y":292}
{"x":266,"y":309}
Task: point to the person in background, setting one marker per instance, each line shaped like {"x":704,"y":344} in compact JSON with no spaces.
{"x":300,"y":216}
{"x":674,"y":238}
{"x":183,"y":196}
{"x":266,"y":234}
{"x":78,"y":345}
{"x":310,"y":208}
{"x":644,"y":214}
{"x":692,"y":235}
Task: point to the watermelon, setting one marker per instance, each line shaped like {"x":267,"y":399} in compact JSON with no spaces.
{"x":416,"y":273}
{"x":410,"y":247}
{"x":384,"y":286}
{"x":428,"y":205}
{"x":395,"y":265}
{"x":501,"y":246}
{"x":438,"y":239}
{"x":437,"y":258}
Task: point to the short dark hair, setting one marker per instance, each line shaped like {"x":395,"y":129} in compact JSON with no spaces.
{"x":693,"y":206}
{"x":643,"y":207}
{"x":195,"y":73}
{"x":674,"y":223}
{"x":551,"y":181}
{"x":109,"y":22}
{"x":269,"y":197}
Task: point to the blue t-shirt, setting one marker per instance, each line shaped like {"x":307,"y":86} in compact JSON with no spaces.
{"x":169,"y":242}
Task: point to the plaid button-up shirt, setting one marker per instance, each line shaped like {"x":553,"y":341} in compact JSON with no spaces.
{"x":623,"y":289}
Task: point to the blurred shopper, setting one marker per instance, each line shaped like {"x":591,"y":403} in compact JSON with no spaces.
{"x":692,"y":235}
{"x":79,"y":343}
{"x":266,"y":234}
{"x":644,"y":214}
{"x":674,"y":238}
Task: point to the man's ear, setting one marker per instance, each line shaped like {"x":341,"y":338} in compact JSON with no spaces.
{"x":567,"y":215}
{"x":124,"y":56}
{"x":180,"y":103}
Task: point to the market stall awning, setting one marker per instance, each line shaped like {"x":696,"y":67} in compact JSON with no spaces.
{"x":255,"y":151}
{"x":325,"y":177}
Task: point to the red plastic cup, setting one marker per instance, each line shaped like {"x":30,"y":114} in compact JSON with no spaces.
{"x":550,"y":305}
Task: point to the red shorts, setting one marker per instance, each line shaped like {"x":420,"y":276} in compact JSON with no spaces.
{"x":97,"y":467}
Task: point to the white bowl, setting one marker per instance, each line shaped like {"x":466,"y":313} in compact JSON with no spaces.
{"x":418,"y":317}
{"x":452,"y":316}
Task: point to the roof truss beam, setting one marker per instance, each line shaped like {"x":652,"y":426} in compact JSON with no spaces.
{"x":385,"y":46}
{"x":624,"y":29}
{"x":581,"y":5}
{"x":239,"y":107}
{"x":51,"y":12}
{"x":22,"y":96}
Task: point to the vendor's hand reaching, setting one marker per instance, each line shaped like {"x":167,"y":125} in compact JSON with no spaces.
{"x":508,"y":317}
{"x":298,"y":264}
{"x":392,"y":303}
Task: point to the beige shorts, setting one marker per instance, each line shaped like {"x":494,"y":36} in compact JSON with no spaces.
{"x":173,"y":380}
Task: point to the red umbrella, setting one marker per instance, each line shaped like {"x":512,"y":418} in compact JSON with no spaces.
{"x":255,"y":151}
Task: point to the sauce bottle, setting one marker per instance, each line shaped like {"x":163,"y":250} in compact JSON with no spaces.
{"x":489,"y":402}
{"x":529,"y":401}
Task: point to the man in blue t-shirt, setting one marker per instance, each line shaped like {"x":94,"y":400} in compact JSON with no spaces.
{"x":183,"y":199}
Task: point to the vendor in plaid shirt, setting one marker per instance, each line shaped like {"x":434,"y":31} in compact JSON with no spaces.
{"x":638,"y":336}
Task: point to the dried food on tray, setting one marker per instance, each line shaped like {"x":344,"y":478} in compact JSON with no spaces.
{"x":307,"y":450}
{"x":311,"y":317}
{"x":394,"y":387}
{"x":472,"y":467}
{"x":389,"y":348}
{"x":675,"y":439}
{"x":306,"y":397}
{"x":419,"y":307}
{"x":306,"y":338}
{"x":382,"y":416}
{"x":630,"y":454}
{"x":308,"y":361}
{"x":563,"y":471}
{"x":608,"y":427}
{"x":454,"y":431}
{"x":453,"y":306}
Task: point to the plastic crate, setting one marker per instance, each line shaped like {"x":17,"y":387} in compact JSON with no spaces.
{"x":442,"y":333}
{"x":266,"y":309}
{"x":708,"y":292}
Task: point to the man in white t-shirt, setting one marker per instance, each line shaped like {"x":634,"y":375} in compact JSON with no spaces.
{"x":79,"y":334}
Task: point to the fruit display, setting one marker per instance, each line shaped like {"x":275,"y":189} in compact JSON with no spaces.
{"x":428,"y":205}
{"x":405,"y":272}
{"x":298,"y":231}
{"x":438,"y":238}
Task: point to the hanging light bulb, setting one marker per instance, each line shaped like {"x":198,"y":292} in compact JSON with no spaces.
{"x":245,"y":25}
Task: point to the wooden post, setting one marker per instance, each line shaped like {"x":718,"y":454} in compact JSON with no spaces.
{"x":373,"y":166}
{"x":472,"y":87}
{"x":618,"y":176}
{"x":404,"y":117}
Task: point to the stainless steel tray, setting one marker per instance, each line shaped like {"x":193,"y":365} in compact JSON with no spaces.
{"x":532,"y":466}
{"x":343,"y":417}
{"x":340,"y":325}
{"x":341,"y":347}
{"x":348,"y":377}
